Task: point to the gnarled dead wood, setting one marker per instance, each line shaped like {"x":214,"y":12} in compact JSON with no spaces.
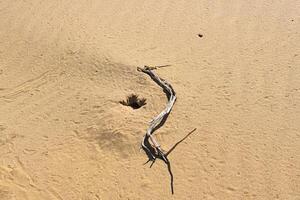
{"x":149,"y":144}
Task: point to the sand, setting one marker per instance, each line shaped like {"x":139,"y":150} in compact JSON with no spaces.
{"x":65,"y":65}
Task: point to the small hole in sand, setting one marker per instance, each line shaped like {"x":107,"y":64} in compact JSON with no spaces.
{"x":200,"y":35}
{"x":134,"y":101}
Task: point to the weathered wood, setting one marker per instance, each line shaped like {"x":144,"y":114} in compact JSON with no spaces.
{"x":153,"y":149}
{"x":149,"y":144}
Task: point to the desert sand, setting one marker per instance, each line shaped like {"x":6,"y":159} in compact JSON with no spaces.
{"x":65,"y":65}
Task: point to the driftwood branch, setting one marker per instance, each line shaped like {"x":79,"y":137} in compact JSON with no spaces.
{"x":149,"y":144}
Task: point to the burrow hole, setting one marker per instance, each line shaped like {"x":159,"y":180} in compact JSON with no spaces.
{"x":134,"y":101}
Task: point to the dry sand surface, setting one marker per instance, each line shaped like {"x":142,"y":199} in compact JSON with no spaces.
{"x":66,"y":64}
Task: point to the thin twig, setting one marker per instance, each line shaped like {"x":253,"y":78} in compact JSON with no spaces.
{"x":171,"y":176}
{"x":180,"y":141}
{"x":161,"y":66}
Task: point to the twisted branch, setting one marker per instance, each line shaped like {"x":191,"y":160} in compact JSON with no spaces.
{"x":149,"y":144}
{"x":153,"y":150}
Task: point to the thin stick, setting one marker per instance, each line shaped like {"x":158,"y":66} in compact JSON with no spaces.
{"x":161,"y":66}
{"x":172,"y":178}
{"x":180,"y":141}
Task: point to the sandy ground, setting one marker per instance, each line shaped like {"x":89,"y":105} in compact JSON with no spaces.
{"x":66,"y":64}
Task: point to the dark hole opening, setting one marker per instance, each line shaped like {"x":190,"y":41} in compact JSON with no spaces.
{"x":134,"y":101}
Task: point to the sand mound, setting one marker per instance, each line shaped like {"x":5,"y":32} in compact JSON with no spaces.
{"x":66,"y":65}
